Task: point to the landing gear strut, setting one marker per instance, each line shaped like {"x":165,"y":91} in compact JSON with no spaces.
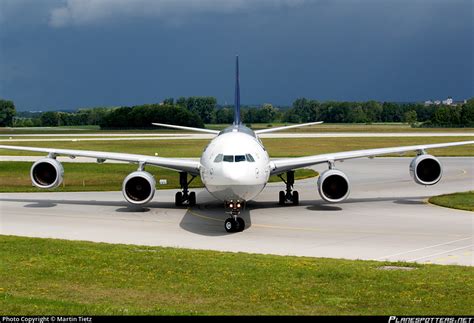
{"x":234,"y":223}
{"x":185,"y":197}
{"x":288,"y":197}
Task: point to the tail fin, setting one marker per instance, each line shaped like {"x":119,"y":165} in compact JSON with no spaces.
{"x":237,"y":120}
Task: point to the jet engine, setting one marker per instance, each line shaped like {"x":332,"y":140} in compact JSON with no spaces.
{"x":47,"y":173}
{"x":333,"y":186}
{"x":139,"y":187}
{"x":426,"y":170}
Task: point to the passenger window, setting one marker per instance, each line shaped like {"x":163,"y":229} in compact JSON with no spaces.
{"x":239,"y":158}
{"x":250,"y":158}
{"x":229,"y":158}
{"x":218,"y":158}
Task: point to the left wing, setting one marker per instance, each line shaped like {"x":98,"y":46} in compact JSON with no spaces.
{"x":285,"y":164}
{"x":178,"y":164}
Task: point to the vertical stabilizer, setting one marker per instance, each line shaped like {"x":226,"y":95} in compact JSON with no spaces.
{"x":237,"y":120}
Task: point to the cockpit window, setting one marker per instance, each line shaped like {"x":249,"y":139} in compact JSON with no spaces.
{"x":239,"y":158}
{"x":229,"y":158}
{"x":218,"y":158}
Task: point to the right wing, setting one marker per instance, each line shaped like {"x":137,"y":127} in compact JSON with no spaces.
{"x":178,"y":164}
{"x":286,"y":164}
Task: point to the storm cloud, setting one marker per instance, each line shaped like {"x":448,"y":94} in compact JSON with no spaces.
{"x":81,"y":12}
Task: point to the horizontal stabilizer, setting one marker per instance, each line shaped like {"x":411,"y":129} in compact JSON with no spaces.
{"x":216,"y":132}
{"x":287,"y":127}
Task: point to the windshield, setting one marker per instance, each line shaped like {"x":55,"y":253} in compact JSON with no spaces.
{"x":218,"y":158}
{"x":239,"y":158}
{"x":231,"y":159}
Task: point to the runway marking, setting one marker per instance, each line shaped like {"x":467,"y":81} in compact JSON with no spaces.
{"x":202,"y":216}
{"x":441,"y":253}
{"x":424,"y":248}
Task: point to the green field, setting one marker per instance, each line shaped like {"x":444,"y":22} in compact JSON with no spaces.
{"x":349,"y":127}
{"x":46,"y":276}
{"x":325,"y":127}
{"x":15,"y":177}
{"x":461,"y":201}
{"x":281,"y":147}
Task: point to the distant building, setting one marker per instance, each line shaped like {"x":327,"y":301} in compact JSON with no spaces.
{"x":428,"y":102}
{"x":448,"y":101}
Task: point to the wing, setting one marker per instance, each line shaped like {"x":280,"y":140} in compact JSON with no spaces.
{"x":178,"y":164}
{"x":282,"y":165}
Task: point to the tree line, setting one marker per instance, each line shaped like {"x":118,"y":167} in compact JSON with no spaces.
{"x":197,"y":111}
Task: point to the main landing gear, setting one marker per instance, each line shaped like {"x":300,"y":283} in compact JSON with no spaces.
{"x":234,"y":223}
{"x":289,"y":197}
{"x":185,"y":197}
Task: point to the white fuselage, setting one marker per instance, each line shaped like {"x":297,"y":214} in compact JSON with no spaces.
{"x":235,"y":166}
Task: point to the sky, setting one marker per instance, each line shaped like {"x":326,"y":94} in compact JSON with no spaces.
{"x":68,"y":54}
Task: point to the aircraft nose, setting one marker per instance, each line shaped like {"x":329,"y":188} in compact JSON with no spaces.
{"x":234,"y":173}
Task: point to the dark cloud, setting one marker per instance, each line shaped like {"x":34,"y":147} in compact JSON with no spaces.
{"x":342,"y":49}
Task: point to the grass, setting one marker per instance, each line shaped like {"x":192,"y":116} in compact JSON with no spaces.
{"x":281,"y":147}
{"x":325,"y":127}
{"x":461,"y":201}
{"x":47,"y":276}
{"x":349,"y":127}
{"x":15,"y":177}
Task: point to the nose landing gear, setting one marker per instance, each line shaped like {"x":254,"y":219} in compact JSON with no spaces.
{"x":289,"y":197}
{"x":234,"y":223}
{"x":185,"y":196}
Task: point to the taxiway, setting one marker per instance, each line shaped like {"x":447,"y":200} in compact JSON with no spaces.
{"x":385,"y":218}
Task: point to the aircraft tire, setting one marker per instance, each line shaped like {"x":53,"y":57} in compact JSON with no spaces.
{"x":281,"y":198}
{"x":240,"y":224}
{"x":192,"y":199}
{"x":230,"y":225}
{"x":296,"y":198}
{"x":178,"y":199}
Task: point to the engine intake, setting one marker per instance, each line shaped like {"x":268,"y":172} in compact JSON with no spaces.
{"x":333,"y":186}
{"x":139,"y":187}
{"x":47,"y":173}
{"x":426,"y":170}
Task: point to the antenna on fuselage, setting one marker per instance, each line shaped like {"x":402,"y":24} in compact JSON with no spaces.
{"x":237,"y":120}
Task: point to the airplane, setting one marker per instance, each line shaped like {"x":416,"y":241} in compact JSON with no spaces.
{"x":234,"y":167}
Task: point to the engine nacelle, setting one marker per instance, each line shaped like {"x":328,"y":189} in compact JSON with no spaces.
{"x":47,"y":173}
{"x":333,"y":186}
{"x":426,"y":170}
{"x":139,"y":187}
